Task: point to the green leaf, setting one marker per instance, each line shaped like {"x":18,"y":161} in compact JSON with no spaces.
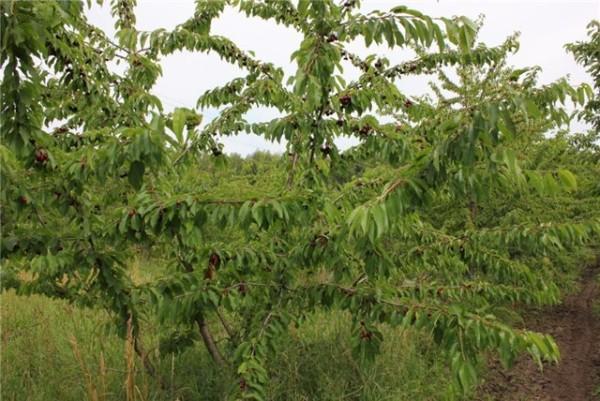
{"x":380,"y":217}
{"x":568,"y":179}
{"x":467,"y":375}
{"x":258,"y":213}
{"x":508,"y":127}
{"x":179,"y":117}
{"x":136,"y":174}
{"x":364,"y":220}
{"x":550,"y":184}
{"x":245,"y":211}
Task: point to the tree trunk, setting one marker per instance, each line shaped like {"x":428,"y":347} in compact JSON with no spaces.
{"x":209,"y":342}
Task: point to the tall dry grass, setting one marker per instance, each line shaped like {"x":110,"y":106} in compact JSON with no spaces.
{"x":55,"y":351}
{"x":90,"y":385}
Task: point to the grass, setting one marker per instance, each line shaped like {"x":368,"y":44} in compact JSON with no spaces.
{"x":51,"y":350}
{"x":54,"y":351}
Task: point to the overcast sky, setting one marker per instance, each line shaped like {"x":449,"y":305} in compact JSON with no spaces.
{"x":545,"y":27}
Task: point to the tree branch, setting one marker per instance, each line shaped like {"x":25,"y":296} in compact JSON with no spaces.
{"x":209,"y":342}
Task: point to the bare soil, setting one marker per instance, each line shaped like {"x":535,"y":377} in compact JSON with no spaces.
{"x":575,"y":325}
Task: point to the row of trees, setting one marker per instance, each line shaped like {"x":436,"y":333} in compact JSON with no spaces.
{"x":449,"y":210}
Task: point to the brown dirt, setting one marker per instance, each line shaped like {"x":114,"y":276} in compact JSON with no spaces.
{"x":575,"y":325}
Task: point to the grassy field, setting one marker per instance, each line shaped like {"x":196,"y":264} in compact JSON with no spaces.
{"x":54,"y":351}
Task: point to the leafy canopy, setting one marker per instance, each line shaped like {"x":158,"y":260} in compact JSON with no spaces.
{"x":445,"y":213}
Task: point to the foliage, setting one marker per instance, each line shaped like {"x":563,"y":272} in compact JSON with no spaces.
{"x":588,"y":54}
{"x":415,"y":228}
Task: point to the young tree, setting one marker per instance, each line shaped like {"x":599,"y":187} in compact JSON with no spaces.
{"x":359,"y":231}
{"x":588,"y":54}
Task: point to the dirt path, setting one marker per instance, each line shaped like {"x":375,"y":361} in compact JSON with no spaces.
{"x":575,"y":325}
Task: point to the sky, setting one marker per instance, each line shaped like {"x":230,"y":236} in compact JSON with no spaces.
{"x":544,"y":26}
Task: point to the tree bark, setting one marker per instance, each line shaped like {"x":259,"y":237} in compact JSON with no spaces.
{"x":209,"y":342}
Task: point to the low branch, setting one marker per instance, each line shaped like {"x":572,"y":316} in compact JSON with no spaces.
{"x":226,"y":325}
{"x":209,"y":342}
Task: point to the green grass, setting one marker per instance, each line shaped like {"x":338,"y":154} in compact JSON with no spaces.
{"x":39,"y":338}
{"x":54,"y":351}
{"x":51,"y":350}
